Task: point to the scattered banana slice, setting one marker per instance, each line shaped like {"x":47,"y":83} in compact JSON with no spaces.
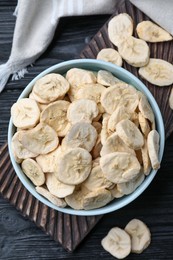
{"x":171,"y":99}
{"x":134,"y":51}
{"x":145,"y":158}
{"x":20,"y":152}
{"x":106,"y":78}
{"x":33,"y":171}
{"x":153,"y":149}
{"x":119,"y":28}
{"x":144,"y":125}
{"x":130,"y":186}
{"x":77,"y":77}
{"x":120,"y":167}
{"x":130,"y":134}
{"x":150,"y":32}
{"x":41,"y":140}
{"x":97,"y":180}
{"x":121,"y":94}
{"x":96,"y":199}
{"x":25,"y":113}
{"x":82,"y":109}
{"x":74,"y":166}
{"x":75,"y":200}
{"x":119,"y":114}
{"x":158,"y":72}
{"x":55,"y":115}
{"x":56,"y":201}
{"x":110,"y":55}
{"x":117,"y":243}
{"x":140,"y":235}
{"x":58,"y":188}
{"x":50,"y":87}
{"x":115,"y":144}
{"x":145,"y":109}
{"x":48,"y":162}
{"x":82,"y":135}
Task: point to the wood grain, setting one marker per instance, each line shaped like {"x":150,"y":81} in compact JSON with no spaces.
{"x":163,"y":50}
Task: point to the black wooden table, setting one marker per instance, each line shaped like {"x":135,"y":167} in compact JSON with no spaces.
{"x":20,"y":238}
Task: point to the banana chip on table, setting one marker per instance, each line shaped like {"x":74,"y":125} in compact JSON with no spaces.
{"x":150,"y":32}
{"x":120,"y":28}
{"x":117,"y":243}
{"x":110,"y":55}
{"x":49,"y":88}
{"x":140,"y":235}
{"x":134,"y":51}
{"x":158,"y":72}
{"x":25,"y":113}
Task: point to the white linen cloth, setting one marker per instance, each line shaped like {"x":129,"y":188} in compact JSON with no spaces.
{"x":37,"y":20}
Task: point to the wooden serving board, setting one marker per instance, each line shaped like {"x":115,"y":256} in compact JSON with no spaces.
{"x":68,"y":230}
{"x":157,"y":50}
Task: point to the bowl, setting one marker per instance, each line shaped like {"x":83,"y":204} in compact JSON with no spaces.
{"x":122,"y":74}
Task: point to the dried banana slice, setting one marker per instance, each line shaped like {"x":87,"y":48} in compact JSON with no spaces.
{"x":130,"y":134}
{"x":110,"y":55}
{"x":58,"y":188}
{"x":41,"y":140}
{"x":153,"y":148}
{"x":104,"y":132}
{"x":48,"y":162}
{"x":74,"y":166}
{"x":121,"y":94}
{"x":97,"y":148}
{"x":56,"y":201}
{"x":75,"y":200}
{"x":106,"y":78}
{"x":145,"y":109}
{"x":130,"y":186}
{"x":97,"y":180}
{"x":134,"y":51}
{"x":119,"y":114}
{"x":55,"y":115}
{"x":158,"y":72}
{"x":116,"y":193}
{"x":19,"y":151}
{"x":82,"y":135}
{"x":96,"y":162}
{"x":119,"y":28}
{"x":140,"y":235}
{"x":145,"y":158}
{"x":171,"y":99}
{"x":25,"y":113}
{"x":50,"y":87}
{"x":115,"y":144}
{"x":77,"y":77}
{"x":117,"y":243}
{"x":120,"y":167}
{"x":96,"y":199}
{"x":82,"y":109}
{"x":33,"y":171}
{"x":92,"y":92}
{"x":144,"y":125}
{"x":150,"y":32}
{"x":98,"y":127}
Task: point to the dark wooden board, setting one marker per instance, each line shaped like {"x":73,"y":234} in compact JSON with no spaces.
{"x":157,"y":50}
{"x":68,"y":230}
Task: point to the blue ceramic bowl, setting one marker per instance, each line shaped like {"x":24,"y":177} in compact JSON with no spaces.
{"x":123,"y":75}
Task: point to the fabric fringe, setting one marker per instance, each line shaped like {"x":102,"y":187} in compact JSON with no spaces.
{"x":5,"y":73}
{"x":15,"y":13}
{"x":19,"y":74}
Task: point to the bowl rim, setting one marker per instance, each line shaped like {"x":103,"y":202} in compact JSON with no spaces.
{"x":125,"y":199}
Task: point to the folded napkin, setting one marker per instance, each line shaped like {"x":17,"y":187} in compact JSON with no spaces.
{"x":37,"y":20}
